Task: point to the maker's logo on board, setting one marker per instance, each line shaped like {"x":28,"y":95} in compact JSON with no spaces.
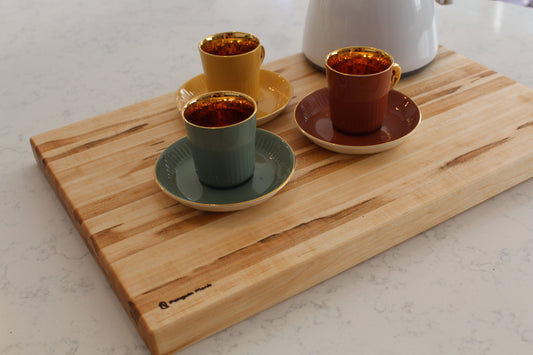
{"x":166,"y":305}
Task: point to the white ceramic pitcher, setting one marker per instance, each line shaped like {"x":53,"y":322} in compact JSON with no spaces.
{"x":404,"y":28}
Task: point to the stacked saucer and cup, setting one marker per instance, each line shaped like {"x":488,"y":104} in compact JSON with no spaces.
{"x":359,"y":112}
{"x":225,"y":163}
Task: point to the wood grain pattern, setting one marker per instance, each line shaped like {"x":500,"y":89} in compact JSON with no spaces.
{"x":183,"y":274}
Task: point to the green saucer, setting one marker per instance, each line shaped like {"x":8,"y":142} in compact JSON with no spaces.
{"x":274,"y":165}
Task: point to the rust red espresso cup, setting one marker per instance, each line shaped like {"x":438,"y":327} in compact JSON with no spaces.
{"x":359,"y":81}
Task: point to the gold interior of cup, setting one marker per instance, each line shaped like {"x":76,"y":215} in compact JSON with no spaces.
{"x":218,"y":110}
{"x":359,"y":60}
{"x":229,"y":43}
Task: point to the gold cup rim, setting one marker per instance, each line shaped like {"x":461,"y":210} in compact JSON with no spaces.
{"x":361,"y":49}
{"x":229,"y":34}
{"x":218,"y":95}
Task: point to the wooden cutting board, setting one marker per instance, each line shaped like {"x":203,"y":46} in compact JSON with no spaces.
{"x":183,"y":274}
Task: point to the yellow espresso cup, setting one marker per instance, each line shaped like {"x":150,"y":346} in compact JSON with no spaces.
{"x":231,"y":61}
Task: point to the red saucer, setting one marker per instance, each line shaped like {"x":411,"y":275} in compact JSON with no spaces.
{"x":313,"y":120}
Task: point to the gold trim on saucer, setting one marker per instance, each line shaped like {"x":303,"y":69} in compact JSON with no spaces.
{"x":276,"y":92}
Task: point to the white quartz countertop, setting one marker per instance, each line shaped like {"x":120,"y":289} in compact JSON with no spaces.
{"x":462,"y":287}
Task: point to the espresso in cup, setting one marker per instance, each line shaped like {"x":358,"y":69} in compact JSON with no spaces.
{"x":219,"y":113}
{"x":221,"y":128}
{"x":370,"y":63}
{"x":359,"y":82}
{"x":232,"y":61}
{"x":229,"y":44}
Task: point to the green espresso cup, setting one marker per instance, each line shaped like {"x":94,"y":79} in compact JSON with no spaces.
{"x":221,"y":128}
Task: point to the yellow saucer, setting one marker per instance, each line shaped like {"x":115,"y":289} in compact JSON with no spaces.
{"x":276,"y":92}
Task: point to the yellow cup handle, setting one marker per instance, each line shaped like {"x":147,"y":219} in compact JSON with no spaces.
{"x":262,"y":54}
{"x":396,"y":75}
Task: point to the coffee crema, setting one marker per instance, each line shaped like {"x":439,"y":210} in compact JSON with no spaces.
{"x":228,"y":46}
{"x":219,"y":112}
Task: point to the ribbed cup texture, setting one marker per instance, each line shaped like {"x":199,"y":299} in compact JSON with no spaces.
{"x":225,"y":169}
{"x":224,"y":156}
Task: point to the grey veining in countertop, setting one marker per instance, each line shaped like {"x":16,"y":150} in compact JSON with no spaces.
{"x":463,"y":287}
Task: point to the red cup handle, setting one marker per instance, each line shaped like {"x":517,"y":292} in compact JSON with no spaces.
{"x":396,"y":75}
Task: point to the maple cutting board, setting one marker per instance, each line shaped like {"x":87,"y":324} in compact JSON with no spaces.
{"x":182,"y":274}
